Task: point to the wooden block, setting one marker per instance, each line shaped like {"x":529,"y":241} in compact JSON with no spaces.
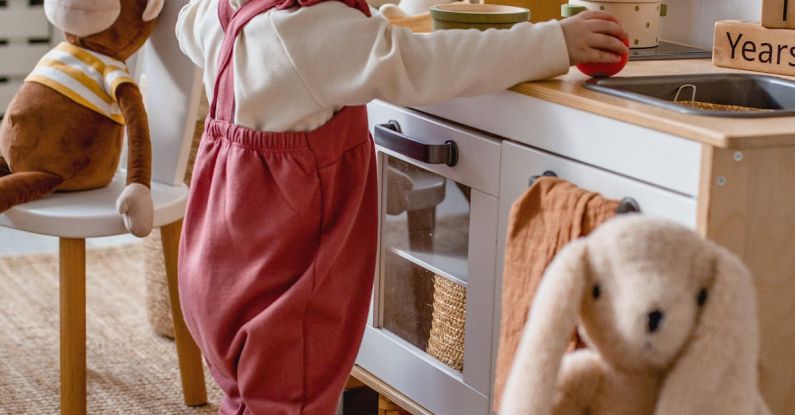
{"x":778,"y":14}
{"x":749,"y":46}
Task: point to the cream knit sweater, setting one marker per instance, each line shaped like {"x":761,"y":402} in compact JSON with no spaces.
{"x":295,"y":68}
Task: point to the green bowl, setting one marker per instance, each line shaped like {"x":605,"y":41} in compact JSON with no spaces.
{"x":477,"y":16}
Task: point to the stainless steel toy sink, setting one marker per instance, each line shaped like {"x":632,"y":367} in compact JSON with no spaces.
{"x":771,"y":96}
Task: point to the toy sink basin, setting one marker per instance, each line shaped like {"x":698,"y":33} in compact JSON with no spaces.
{"x":477,"y":16}
{"x":768,"y":96}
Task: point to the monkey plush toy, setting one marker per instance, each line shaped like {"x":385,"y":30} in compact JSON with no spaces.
{"x":63,"y":131}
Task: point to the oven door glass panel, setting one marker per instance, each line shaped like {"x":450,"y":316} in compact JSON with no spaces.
{"x":425,"y":236}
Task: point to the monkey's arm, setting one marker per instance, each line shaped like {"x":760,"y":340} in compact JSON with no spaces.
{"x":139,"y":153}
{"x":135,"y":202}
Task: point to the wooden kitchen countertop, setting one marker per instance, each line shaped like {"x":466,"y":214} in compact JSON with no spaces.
{"x":717,"y":131}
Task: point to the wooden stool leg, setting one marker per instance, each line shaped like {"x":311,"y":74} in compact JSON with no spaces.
{"x":190,"y":358}
{"x":73,"y":326}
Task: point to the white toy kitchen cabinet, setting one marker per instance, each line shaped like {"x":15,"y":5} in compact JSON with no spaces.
{"x":731,"y":179}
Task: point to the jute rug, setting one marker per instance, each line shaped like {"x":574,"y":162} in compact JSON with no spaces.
{"x":131,"y":370}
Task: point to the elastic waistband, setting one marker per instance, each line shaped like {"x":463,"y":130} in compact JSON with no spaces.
{"x":347,"y":129}
{"x":253,"y":139}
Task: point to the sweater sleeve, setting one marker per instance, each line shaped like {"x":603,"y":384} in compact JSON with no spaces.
{"x":190,"y":28}
{"x":345,"y":58}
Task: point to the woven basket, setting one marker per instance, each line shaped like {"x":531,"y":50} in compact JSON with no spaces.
{"x":446,"y":342}
{"x":158,"y":305}
{"x":718,"y":107}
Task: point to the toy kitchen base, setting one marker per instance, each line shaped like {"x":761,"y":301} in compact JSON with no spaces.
{"x":442,"y":231}
{"x":444,"y":219}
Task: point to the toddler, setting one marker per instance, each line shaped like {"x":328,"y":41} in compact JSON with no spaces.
{"x":279,"y":243}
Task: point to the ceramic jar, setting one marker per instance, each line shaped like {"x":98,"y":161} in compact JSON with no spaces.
{"x":640,"y":18}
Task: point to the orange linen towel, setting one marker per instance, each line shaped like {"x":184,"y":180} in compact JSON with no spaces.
{"x":549,"y":215}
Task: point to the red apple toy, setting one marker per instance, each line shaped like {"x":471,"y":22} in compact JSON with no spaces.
{"x":596,"y":70}
{"x":604,"y":70}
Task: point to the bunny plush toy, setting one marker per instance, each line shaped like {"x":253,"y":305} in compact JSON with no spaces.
{"x":670,"y":320}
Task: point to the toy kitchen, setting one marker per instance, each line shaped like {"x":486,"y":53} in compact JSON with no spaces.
{"x":449,"y":174}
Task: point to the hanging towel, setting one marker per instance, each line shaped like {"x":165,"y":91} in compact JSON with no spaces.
{"x":549,"y":215}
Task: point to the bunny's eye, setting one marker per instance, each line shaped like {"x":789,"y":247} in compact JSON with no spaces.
{"x":596,"y":292}
{"x":702,"y":297}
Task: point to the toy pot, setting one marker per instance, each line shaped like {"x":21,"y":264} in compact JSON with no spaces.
{"x":640,"y":18}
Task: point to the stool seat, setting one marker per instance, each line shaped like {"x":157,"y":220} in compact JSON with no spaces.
{"x":92,"y":213}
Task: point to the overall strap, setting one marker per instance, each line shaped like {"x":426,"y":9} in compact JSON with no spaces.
{"x":223,"y":105}
{"x":225,"y":12}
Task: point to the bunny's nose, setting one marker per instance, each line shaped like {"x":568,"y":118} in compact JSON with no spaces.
{"x":655,"y":318}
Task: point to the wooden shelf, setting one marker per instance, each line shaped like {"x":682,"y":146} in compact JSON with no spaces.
{"x":452,"y":268}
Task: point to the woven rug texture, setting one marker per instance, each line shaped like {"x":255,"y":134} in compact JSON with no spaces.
{"x":131,"y":369}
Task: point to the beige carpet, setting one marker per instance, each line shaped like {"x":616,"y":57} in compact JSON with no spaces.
{"x":131,"y":370}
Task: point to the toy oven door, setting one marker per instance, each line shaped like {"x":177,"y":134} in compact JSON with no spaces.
{"x":430,"y":331}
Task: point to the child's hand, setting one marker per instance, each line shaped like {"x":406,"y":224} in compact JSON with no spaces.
{"x":594,"y":37}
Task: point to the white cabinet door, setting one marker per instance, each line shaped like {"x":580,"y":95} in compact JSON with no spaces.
{"x":520,"y":162}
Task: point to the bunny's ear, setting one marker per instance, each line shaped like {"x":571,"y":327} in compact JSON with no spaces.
{"x":531,"y":384}
{"x":717,"y":372}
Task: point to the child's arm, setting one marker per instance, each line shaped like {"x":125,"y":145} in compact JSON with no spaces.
{"x":193,"y":32}
{"x":346,"y":59}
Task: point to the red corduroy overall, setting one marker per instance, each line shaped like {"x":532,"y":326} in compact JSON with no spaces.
{"x":278,"y":250}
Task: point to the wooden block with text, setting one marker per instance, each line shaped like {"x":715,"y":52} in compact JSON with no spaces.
{"x":778,"y":14}
{"x":749,"y":46}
